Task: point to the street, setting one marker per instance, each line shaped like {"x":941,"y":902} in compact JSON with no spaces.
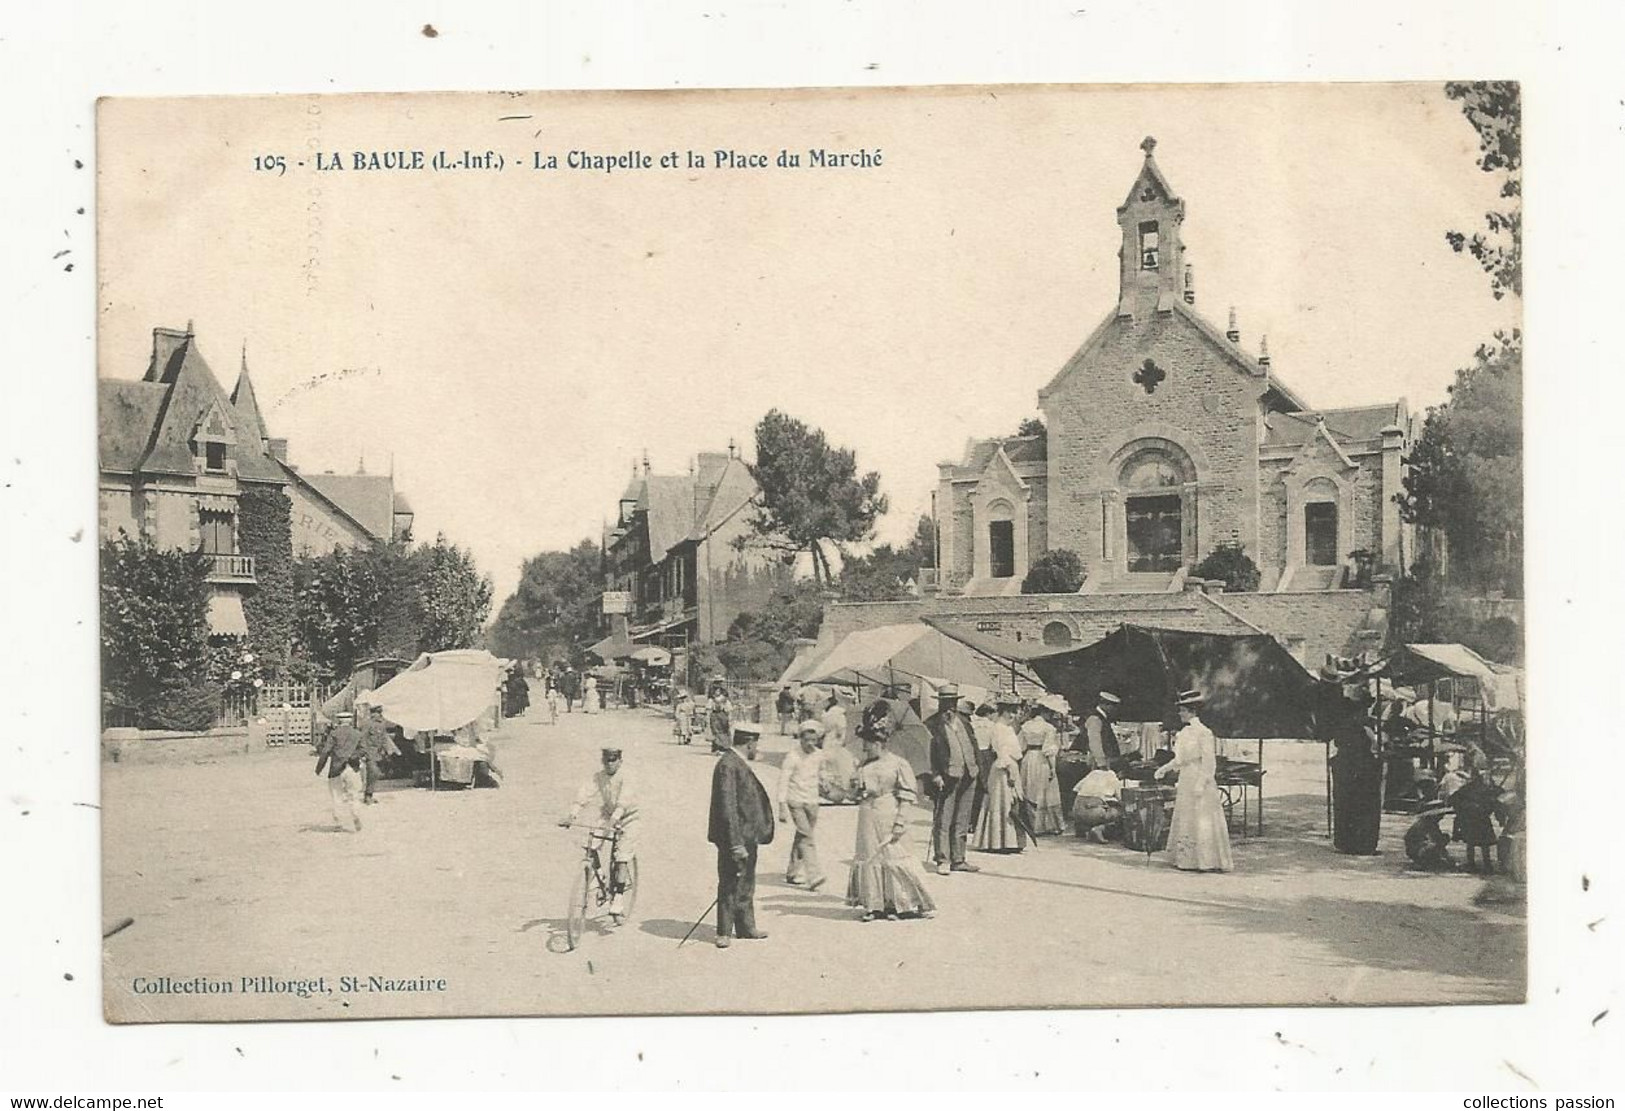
{"x":234,"y":869}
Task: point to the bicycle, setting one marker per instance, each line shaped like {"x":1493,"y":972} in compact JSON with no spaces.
{"x":595,"y":886}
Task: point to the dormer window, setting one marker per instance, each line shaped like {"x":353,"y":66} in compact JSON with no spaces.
{"x":214,"y":457}
{"x":1148,"y":245}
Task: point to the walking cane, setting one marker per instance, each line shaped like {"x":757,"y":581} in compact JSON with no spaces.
{"x":703,"y":916}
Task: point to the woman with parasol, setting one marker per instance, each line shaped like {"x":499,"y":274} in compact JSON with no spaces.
{"x":886,"y":877}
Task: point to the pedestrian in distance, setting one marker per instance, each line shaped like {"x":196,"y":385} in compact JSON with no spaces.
{"x":786,"y":706}
{"x":376,"y":744}
{"x":741,"y":821}
{"x":953,"y":782}
{"x":340,"y":754}
{"x":797,"y":798}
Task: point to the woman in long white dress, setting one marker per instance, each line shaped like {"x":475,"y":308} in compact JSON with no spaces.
{"x":1199,"y":837}
{"x":886,"y":877}
{"x":996,"y":830}
{"x":1041,"y":744}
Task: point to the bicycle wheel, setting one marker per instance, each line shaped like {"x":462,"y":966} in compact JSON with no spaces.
{"x":575,"y":920}
{"x":629,"y":897}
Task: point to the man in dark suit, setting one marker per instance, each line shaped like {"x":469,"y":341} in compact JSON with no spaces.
{"x":1099,"y":739}
{"x":953,"y":777}
{"x":741,"y":820}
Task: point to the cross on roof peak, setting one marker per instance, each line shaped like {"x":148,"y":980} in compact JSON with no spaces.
{"x":1148,"y":144}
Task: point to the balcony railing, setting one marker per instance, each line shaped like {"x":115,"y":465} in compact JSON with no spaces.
{"x":231,"y":568}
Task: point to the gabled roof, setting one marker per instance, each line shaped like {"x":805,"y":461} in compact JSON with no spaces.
{"x":187,"y":391}
{"x":367,"y":499}
{"x":1363,"y":422}
{"x":1019,"y":450}
{"x":735,"y":489}
{"x":1238,"y":358}
{"x":669,"y":502}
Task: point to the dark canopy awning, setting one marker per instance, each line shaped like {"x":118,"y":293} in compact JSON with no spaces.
{"x":1254,"y":687}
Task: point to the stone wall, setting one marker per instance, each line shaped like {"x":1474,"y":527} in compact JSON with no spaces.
{"x":150,"y":746}
{"x":1315,"y":624}
{"x":1205,"y":404}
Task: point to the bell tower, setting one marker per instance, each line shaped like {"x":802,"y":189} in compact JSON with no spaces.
{"x":1152,"y":256}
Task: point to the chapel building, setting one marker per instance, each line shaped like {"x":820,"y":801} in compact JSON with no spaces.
{"x":1166,"y":439}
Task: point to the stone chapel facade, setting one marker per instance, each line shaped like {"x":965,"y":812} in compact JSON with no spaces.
{"x":1165,"y":440}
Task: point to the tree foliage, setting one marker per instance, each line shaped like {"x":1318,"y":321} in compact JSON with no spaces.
{"x":885,"y":574}
{"x":1058,"y":571}
{"x":1494,"y":109}
{"x":154,"y":631}
{"x":391,"y":599}
{"x":811,"y":493}
{"x":553,"y":613}
{"x":761,"y":644}
{"x":1465,"y":478}
{"x":454,"y":598}
{"x":1032,"y":426}
{"x":264,"y":532}
{"x":1231,"y":565}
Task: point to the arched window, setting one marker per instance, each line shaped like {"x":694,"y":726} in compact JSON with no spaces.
{"x":1057,"y":634}
{"x":1152,"y":481}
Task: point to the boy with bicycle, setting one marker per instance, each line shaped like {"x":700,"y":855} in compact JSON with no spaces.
{"x":610,"y":792}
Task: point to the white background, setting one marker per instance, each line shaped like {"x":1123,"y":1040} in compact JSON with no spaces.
{"x":54,"y":62}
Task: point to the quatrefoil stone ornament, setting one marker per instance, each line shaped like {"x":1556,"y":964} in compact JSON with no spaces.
{"x":1150,"y":375}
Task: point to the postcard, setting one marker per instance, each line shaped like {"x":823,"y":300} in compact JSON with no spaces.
{"x":828,"y":550}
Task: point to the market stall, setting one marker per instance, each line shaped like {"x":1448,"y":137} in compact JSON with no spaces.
{"x":442,"y":702}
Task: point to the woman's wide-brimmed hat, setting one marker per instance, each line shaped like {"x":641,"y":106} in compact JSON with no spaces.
{"x":1191,"y":698}
{"x":1054,"y":703}
{"x":877,"y":721}
{"x":1008,"y":698}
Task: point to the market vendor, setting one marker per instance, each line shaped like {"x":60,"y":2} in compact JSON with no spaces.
{"x":1097,"y":808}
{"x":1099,"y":738}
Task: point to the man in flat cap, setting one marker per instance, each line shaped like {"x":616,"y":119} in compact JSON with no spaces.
{"x":741,"y":820}
{"x":953,"y":776}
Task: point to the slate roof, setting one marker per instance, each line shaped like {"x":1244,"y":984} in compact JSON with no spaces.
{"x":1019,"y":450}
{"x":1364,"y":422}
{"x":126,"y":418}
{"x":369,"y":499}
{"x":161,"y":412}
{"x":669,"y":502}
{"x":244,"y":401}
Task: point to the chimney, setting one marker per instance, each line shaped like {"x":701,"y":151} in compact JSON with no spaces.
{"x":733,"y":448}
{"x":278,"y":449}
{"x":165,"y":342}
{"x":646,"y":462}
{"x":1264,"y":352}
{"x":1233,"y":333}
{"x":1190,"y":285}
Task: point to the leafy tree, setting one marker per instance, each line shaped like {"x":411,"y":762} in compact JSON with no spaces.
{"x":1231,"y":565}
{"x":1495,"y":111}
{"x":154,"y":631}
{"x":454,"y":598}
{"x":264,"y":532}
{"x":338,"y":599}
{"x":883,"y":574}
{"x":553,"y":613}
{"x":1465,"y":478}
{"x":1058,"y":571}
{"x":1032,"y":426}
{"x":811,"y":493}
{"x":761,"y":644}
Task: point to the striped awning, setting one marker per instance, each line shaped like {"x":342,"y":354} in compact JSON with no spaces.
{"x":226,"y":618}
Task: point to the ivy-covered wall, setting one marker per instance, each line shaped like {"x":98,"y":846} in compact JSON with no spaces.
{"x":264,"y":531}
